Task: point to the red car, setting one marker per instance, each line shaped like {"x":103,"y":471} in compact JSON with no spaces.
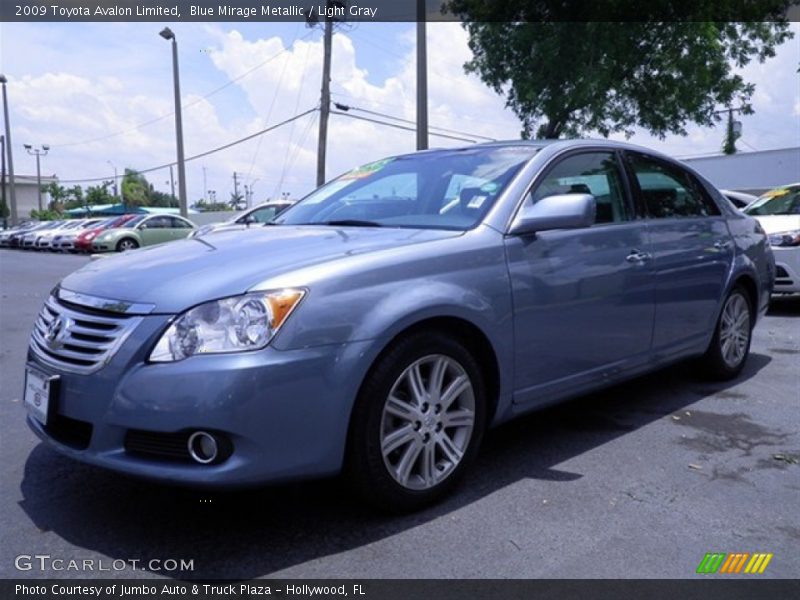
{"x":83,"y":243}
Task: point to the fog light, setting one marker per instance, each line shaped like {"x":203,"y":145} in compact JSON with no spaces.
{"x":203,"y":447}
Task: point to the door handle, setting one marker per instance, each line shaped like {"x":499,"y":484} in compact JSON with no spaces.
{"x":720,"y":245}
{"x":637,"y":256}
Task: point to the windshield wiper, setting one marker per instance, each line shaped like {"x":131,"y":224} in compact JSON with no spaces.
{"x":352,"y":223}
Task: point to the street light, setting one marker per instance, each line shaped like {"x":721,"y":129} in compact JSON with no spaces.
{"x":38,"y":152}
{"x":168,"y":35}
{"x":12,"y":187}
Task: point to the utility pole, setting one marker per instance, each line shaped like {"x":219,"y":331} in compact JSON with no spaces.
{"x":167,"y":34}
{"x":422,"y":79}
{"x":236,"y":188}
{"x":325,"y":101}
{"x":3,"y":176}
{"x":204,"y":185}
{"x":172,"y":182}
{"x":12,"y":187}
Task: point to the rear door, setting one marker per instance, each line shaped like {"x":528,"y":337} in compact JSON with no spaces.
{"x":583,"y":298}
{"x":692,"y":252}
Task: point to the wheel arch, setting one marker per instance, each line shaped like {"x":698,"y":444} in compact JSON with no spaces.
{"x":467,"y":333}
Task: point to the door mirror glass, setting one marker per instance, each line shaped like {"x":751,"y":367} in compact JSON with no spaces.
{"x":563,"y":211}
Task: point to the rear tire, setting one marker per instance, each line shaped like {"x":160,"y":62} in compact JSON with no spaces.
{"x":417,"y":423}
{"x":730,"y":346}
{"x":126,"y":244}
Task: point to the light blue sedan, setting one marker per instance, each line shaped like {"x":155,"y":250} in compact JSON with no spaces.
{"x":380,"y":325}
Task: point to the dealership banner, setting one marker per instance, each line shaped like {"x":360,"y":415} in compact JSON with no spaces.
{"x":392,"y":10}
{"x":370,"y":589}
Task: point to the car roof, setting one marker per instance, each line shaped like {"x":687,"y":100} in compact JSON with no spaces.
{"x":559,"y":144}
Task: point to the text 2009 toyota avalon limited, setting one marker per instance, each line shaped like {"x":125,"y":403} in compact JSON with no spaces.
{"x":382,"y":323}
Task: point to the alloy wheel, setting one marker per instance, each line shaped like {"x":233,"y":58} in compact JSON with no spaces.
{"x":734,"y":330}
{"x":427,"y":422}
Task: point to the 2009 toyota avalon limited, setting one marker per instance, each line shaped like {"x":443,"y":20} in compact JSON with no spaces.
{"x":380,"y":325}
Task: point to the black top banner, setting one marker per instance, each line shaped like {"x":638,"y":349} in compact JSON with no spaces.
{"x":399,"y":10}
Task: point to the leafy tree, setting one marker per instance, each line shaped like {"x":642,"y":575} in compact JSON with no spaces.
{"x":45,"y":215}
{"x":58,"y":196}
{"x":236,"y":202}
{"x":99,"y":194}
{"x":135,"y":189}
{"x":163,"y":200}
{"x":571,"y":78}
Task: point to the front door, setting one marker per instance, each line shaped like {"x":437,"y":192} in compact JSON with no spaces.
{"x":583,"y":298}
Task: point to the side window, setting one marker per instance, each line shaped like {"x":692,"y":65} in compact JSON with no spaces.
{"x":179,"y":223}
{"x":667,"y":191}
{"x":595,"y":173}
{"x":262,"y":215}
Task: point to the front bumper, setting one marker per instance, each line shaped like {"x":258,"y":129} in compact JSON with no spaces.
{"x":787,"y":267}
{"x":286,"y":413}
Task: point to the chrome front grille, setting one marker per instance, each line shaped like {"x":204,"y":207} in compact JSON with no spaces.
{"x":77,"y":339}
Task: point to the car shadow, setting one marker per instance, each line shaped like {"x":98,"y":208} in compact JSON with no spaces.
{"x":248,"y":534}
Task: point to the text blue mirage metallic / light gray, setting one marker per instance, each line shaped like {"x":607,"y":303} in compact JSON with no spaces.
{"x":383,"y":322}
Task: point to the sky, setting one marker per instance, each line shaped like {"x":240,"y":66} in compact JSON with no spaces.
{"x":101,"y":96}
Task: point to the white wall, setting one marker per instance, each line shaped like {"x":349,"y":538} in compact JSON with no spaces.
{"x":753,"y":172}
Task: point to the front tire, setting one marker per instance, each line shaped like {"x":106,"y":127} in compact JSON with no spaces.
{"x":730,"y":346}
{"x":126,"y":244}
{"x":418,"y":422}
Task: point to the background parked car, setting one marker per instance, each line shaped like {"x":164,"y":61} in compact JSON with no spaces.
{"x":255,"y":216}
{"x":28,"y":241}
{"x":739,"y":199}
{"x":5,"y":236}
{"x":778,"y":211}
{"x":45,"y":240}
{"x":83,"y":242}
{"x":64,"y":240}
{"x":143,"y":230}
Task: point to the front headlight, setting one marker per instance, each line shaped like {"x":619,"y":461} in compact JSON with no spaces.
{"x":236,"y":324}
{"x":785,"y":239}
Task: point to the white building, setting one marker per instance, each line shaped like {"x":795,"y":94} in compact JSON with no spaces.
{"x":751,"y":172}
{"x":27,"y":194}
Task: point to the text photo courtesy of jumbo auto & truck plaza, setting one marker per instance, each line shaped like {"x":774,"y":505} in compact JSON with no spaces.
{"x":395,"y":299}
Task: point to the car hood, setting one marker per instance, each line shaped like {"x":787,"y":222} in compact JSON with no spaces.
{"x":181,"y":274}
{"x":779,"y":223}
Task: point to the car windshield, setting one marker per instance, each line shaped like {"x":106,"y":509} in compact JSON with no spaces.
{"x":443,"y":189}
{"x":781,"y":201}
{"x":133,"y":222}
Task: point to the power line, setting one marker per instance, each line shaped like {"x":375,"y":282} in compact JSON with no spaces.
{"x":398,"y":126}
{"x":345,"y":107}
{"x":187,"y":105}
{"x":207,"y":152}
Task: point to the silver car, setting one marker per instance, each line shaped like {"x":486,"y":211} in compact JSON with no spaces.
{"x":258,"y":215}
{"x":381,"y":324}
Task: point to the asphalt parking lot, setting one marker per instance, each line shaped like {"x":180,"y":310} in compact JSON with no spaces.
{"x":640,"y":480}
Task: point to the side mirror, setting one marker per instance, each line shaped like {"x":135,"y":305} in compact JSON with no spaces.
{"x":564,"y":211}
